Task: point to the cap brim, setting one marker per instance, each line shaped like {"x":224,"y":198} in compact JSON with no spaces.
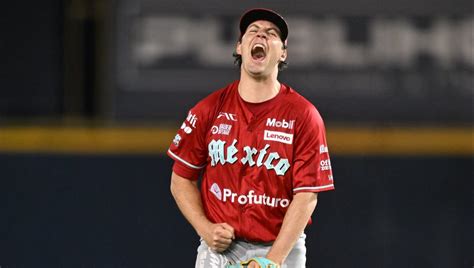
{"x":264,"y":14}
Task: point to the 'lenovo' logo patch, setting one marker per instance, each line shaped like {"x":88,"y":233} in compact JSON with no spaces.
{"x":278,"y":136}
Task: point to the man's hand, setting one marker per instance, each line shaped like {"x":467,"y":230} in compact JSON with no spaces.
{"x":253,"y":264}
{"x":258,"y":262}
{"x":218,"y":236}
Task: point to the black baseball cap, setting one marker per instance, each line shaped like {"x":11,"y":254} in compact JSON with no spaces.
{"x":264,"y":14}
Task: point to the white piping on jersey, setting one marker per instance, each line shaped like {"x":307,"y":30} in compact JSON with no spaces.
{"x":183,"y":161}
{"x":313,"y":188}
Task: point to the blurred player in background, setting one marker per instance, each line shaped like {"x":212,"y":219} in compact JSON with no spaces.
{"x":261,"y":151}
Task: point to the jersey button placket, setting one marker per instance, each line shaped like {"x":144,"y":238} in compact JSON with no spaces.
{"x":250,"y":126}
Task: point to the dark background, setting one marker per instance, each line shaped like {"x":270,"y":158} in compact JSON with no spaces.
{"x":72,"y":62}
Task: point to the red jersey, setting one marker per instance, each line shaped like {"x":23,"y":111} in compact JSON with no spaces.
{"x":253,"y":158}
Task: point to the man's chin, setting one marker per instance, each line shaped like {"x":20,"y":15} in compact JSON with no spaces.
{"x":257,"y":75}
{"x":256,"y":70}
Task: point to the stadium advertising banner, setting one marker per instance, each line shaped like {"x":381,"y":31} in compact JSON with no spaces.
{"x":345,"y":59}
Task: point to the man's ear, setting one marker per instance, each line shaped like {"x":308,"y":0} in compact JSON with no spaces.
{"x":284,"y":54}
{"x":238,"y":48}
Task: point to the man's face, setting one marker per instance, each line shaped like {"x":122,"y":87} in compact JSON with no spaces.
{"x":261,"y":48}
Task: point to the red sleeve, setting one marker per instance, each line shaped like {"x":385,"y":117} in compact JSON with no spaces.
{"x":185,"y":171}
{"x":188,"y":148}
{"x":312,"y":167}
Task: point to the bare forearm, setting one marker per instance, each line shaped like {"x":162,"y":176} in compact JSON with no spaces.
{"x":218,"y":236}
{"x":188,"y":199}
{"x":295,"y":221}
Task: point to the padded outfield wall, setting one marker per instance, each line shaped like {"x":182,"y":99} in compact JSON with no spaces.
{"x":99,"y":197}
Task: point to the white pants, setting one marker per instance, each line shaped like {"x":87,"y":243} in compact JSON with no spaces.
{"x":240,"y":251}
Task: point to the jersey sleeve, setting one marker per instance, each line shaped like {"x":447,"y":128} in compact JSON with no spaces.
{"x":312,"y":166}
{"x":188,"y":148}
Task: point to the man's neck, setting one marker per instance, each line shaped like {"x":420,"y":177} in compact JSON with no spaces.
{"x":258,"y":90}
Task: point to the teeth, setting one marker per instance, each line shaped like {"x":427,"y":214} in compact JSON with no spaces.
{"x":258,"y":45}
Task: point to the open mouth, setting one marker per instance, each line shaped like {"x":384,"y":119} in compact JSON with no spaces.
{"x":258,"y":52}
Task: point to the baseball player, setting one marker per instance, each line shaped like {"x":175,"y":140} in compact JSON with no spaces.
{"x":261,"y":153}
